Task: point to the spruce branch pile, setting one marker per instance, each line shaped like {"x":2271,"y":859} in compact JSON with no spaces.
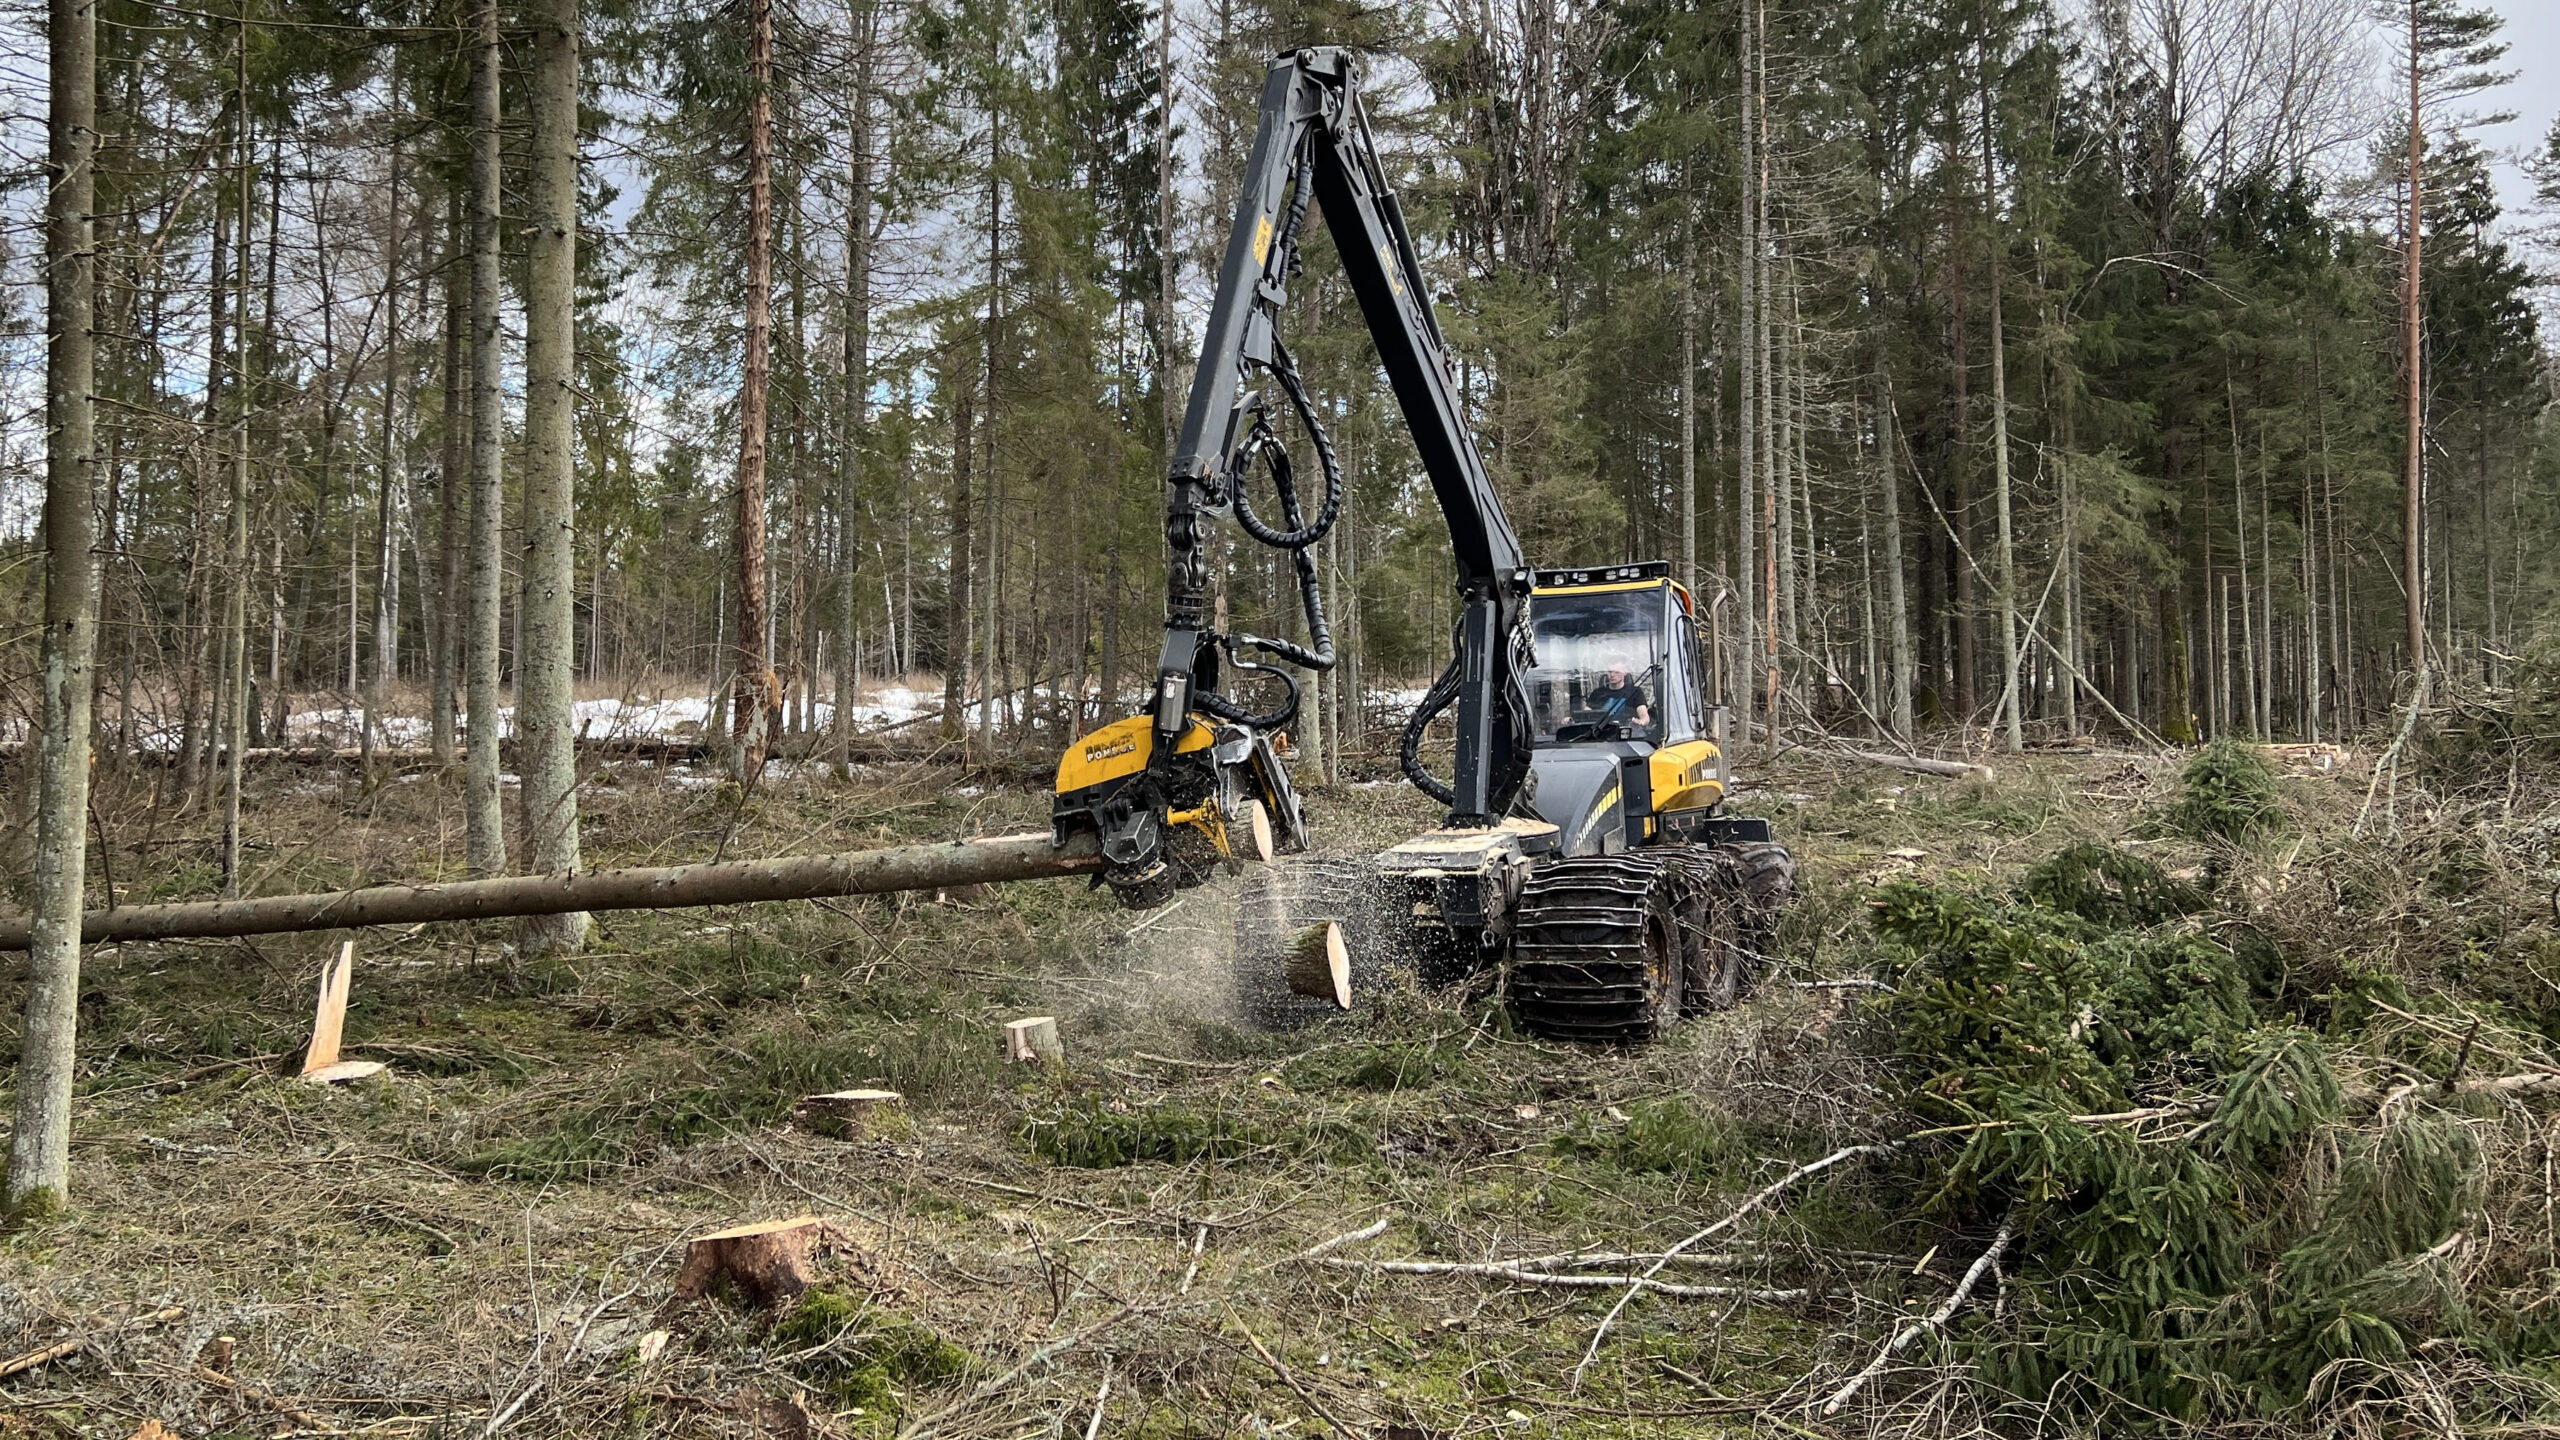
{"x":2220,"y":1214}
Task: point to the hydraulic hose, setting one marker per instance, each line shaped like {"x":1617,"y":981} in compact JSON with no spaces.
{"x":1300,"y":535}
{"x":1320,"y":656}
{"x":1434,"y":700}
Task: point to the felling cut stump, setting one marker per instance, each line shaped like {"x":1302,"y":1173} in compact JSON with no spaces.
{"x":767,"y":1263}
{"x":849,"y":1114}
{"x":320,"y":1062}
{"x":1319,"y":964}
{"x":1033,"y":1039}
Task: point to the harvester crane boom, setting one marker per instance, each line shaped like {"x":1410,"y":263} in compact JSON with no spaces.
{"x":1587,"y":851}
{"x":1313,"y":142}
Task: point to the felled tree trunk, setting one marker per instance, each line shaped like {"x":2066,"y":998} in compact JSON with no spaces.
{"x":653,"y":887}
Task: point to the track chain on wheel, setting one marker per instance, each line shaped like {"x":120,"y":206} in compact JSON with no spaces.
{"x":1598,"y":950}
{"x":1719,"y":963}
{"x":1766,"y":873}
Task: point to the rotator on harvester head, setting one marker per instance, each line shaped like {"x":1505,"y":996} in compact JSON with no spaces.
{"x":1587,"y":854}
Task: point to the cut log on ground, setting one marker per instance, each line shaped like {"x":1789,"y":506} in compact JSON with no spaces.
{"x":1033,"y":1039}
{"x":652,"y":887}
{"x":849,"y":1114}
{"x":1319,"y":964}
{"x":767,"y":1263}
{"x":1915,"y":765}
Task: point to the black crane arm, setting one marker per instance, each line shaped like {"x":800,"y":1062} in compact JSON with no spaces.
{"x":1313,"y":142}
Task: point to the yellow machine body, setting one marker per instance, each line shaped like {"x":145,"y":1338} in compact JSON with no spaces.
{"x":1686,"y":776}
{"x":1118,"y":750}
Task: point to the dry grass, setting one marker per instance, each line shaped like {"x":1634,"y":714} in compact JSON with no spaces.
{"x":500,"y":1217}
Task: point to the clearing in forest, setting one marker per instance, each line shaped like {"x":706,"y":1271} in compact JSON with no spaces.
{"x":2124,"y":1065}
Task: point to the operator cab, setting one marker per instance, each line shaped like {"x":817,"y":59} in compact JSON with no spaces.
{"x":1625,"y":740}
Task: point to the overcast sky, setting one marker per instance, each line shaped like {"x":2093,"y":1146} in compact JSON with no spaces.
{"x":2533,"y":38}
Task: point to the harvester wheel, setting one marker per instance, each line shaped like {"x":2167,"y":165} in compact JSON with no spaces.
{"x":1766,"y":875}
{"x":1720,"y":964}
{"x":1598,"y":952}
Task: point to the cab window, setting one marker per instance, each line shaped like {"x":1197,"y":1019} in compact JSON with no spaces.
{"x":1601,"y":661}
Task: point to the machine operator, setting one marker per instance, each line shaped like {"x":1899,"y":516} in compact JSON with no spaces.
{"x":1621,"y":698}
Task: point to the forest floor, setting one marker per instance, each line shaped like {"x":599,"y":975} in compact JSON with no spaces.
{"x":485,"y":1236}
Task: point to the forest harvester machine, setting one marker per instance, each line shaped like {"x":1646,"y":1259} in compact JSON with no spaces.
{"x":1587,"y":856}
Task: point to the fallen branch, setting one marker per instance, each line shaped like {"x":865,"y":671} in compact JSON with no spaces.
{"x":2535,"y":1082}
{"x":1519,"y":1275}
{"x":1370,"y":1231}
{"x":1565,"y":1260}
{"x":1758,"y":1199}
{"x":2204,"y":1106}
{"x":1348,"y":1432}
{"x":20,"y":1364}
{"x":1927,"y":1323}
{"x":2388,"y":765}
{"x":1915,"y":765}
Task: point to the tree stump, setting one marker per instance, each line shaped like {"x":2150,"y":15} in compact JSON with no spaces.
{"x":1034,"y":1039}
{"x":1319,"y":964}
{"x":849,"y":1114}
{"x":320,"y":1062}
{"x":768,"y":1263}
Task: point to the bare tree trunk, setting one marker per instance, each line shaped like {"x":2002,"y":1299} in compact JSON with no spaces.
{"x":40,"y":1144}
{"x":386,"y":554}
{"x":1809,"y":585}
{"x":991,"y":554}
{"x":857,"y":389}
{"x":2246,"y":696}
{"x":234,"y":703}
{"x":1782,"y":361}
{"x":2010,"y":707}
{"x":1889,"y":496}
{"x":753,"y":699}
{"x":547,"y":667}
{"x":2413,"y":559}
{"x":956,"y":614}
{"x":1688,"y":388}
{"x":1759,"y":188}
{"x":484,"y":815}
{"x":1747,"y":468}
{"x":196,"y":728}
{"x":452,"y":487}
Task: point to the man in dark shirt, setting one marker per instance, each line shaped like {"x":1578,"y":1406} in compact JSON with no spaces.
{"x":1620,"y":698}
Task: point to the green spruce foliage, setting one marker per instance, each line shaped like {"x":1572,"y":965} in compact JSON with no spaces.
{"x":2227,"y":792}
{"x":2209,"y":1229}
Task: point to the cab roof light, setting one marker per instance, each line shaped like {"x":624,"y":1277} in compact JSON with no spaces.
{"x":1606,"y":574}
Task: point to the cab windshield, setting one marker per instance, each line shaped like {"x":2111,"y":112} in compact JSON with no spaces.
{"x":1599,"y":671}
